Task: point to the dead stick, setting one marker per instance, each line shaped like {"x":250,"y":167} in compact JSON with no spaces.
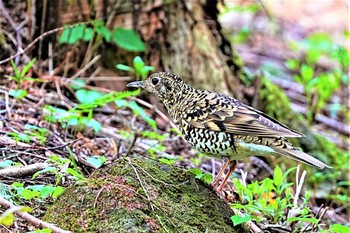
{"x":23,"y":171}
{"x":30,"y":218}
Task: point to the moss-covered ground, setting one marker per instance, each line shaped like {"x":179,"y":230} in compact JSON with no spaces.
{"x":134,"y":195}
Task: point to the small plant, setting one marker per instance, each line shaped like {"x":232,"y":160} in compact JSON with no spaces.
{"x":38,"y":192}
{"x":8,"y":163}
{"x":167,"y":161}
{"x":337,"y":228}
{"x":82,"y":115}
{"x":206,"y":177}
{"x":36,"y":132}
{"x":155,"y":150}
{"x":138,"y":111}
{"x":96,"y":161}
{"x":318,"y":86}
{"x":271,"y":199}
{"x":124,"y":38}
{"x":19,"y":77}
{"x":19,"y":137}
{"x":60,"y":169}
{"x":318,"y":89}
{"x":8,"y":218}
{"x":140,"y":70}
{"x":243,"y":33}
{"x":31,"y":132}
{"x":44,"y":230}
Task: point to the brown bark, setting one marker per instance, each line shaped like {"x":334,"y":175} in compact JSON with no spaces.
{"x":181,"y":36}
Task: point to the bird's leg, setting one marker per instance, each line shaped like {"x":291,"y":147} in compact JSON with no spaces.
{"x":218,"y":176}
{"x":232,"y":165}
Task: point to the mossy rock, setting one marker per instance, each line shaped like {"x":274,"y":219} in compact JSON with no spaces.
{"x":134,"y":195}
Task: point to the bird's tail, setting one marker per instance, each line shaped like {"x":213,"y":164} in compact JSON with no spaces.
{"x":301,"y":156}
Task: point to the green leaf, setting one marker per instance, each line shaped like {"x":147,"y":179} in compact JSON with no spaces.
{"x":102,"y":30}
{"x":44,"y":230}
{"x":27,"y":67}
{"x":72,"y":35}
{"x":312,"y":56}
{"x":6,"y":163}
{"x":195,"y":171}
{"x":19,"y":136}
{"x":278,"y":176}
{"x":294,"y":219}
{"x":25,"y":209}
{"x":288,"y":171}
{"x":139,"y":111}
{"x":88,"y":96}
{"x":96,"y":161}
{"x":292,"y":64}
{"x":306,"y":72}
{"x":337,"y":228}
{"x":58,"y":191}
{"x":207,"y":178}
{"x":124,"y":67}
{"x":77,"y":84}
{"x":17,"y":185}
{"x":7,"y":219}
{"x":167,"y":161}
{"x":145,"y":70}
{"x":138,"y":63}
{"x":88,"y":34}
{"x":29,"y":194}
{"x":121,"y":103}
{"x":236,"y":219}
{"x":97,"y":126}
{"x":75,"y":174}
{"x":340,"y":183}
{"x":128,"y":39}
{"x":15,"y":69}
{"x":18,"y":94}
{"x":46,"y":191}
{"x":47,"y":169}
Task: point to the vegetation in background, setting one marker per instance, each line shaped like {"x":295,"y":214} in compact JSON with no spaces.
{"x":268,"y":199}
{"x":19,"y":77}
{"x":126,"y":39}
{"x":319,"y":85}
{"x":140,"y":70}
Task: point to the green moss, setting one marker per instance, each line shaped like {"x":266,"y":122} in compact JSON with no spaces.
{"x":169,"y":200}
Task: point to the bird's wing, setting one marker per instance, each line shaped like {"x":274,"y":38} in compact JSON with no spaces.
{"x":218,"y":112}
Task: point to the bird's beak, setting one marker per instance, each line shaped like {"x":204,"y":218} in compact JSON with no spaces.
{"x":137,"y":84}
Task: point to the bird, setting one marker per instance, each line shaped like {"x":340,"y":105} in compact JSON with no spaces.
{"x":220,"y":126}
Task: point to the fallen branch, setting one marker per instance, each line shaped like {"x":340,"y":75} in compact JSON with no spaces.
{"x":23,"y":171}
{"x":30,"y":218}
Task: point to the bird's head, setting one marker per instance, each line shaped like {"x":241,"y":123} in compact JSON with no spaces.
{"x":164,"y":85}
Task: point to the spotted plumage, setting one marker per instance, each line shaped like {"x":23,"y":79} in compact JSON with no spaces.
{"x":221,"y":126}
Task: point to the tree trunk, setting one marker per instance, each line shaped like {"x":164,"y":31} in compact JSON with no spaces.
{"x":182,"y":36}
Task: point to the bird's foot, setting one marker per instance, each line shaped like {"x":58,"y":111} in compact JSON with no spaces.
{"x":219,"y":189}
{"x":228,"y":194}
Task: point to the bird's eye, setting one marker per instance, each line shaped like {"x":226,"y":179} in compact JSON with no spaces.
{"x":155,"y":81}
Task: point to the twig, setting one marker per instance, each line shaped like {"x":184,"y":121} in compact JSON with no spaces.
{"x":131,"y":146}
{"x":30,"y":218}
{"x":161,"y":223}
{"x":22,"y":171}
{"x":88,"y":65}
{"x":140,"y":181}
{"x":42,"y":36}
{"x":160,"y":181}
{"x":98,"y":194}
{"x":299,"y":184}
{"x":162,"y":115}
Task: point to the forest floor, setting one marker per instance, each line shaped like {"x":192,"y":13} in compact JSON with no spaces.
{"x":33,"y":134}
